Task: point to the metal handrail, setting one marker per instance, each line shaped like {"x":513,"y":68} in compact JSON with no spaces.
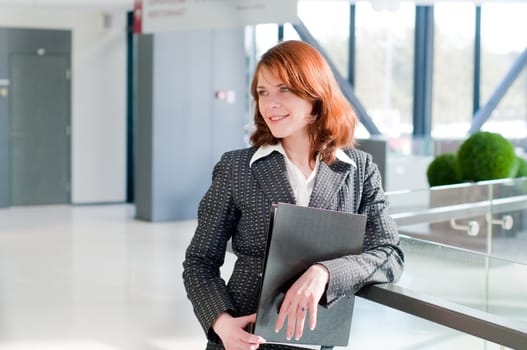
{"x":461,"y":211}
{"x":481,"y":324}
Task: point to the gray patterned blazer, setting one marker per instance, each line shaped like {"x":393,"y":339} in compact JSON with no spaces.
{"x":237,"y":206}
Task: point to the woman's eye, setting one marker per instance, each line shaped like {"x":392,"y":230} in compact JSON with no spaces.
{"x":262,"y":93}
{"x":284,"y":89}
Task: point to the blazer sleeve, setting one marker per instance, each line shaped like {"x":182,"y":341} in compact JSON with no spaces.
{"x":217,"y":218}
{"x":381,"y":260}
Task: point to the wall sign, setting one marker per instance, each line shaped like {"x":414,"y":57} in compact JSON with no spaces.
{"x":152,"y":16}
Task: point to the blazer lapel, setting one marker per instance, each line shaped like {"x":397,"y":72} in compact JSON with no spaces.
{"x":328,"y":182}
{"x":271,"y":174}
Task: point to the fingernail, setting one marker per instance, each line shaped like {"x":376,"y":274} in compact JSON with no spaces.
{"x":288,"y":338}
{"x":297,"y":338}
{"x":312,"y":328}
{"x":276,"y":330}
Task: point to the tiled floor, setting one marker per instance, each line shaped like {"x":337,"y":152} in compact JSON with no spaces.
{"x":93,"y":278}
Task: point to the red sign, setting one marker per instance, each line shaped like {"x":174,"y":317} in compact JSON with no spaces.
{"x":138,"y":17}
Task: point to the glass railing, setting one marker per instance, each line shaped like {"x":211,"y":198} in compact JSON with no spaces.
{"x":466,"y":259}
{"x":488,"y":217}
{"x":479,"y":296}
{"x":493,"y":285}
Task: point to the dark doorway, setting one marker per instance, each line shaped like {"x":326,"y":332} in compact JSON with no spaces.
{"x":40,"y":124}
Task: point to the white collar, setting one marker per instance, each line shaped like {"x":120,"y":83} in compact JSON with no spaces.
{"x":265,"y":150}
{"x":343,"y":157}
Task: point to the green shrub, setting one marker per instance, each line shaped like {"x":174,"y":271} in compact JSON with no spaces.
{"x":486,"y":156}
{"x":522,"y":167}
{"x":443,"y":170}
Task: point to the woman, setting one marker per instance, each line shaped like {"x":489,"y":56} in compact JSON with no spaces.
{"x":302,"y":153}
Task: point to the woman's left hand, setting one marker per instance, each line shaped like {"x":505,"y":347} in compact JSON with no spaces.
{"x":303,"y":295}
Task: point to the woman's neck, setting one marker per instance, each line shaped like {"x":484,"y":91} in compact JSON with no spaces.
{"x":299,"y":153}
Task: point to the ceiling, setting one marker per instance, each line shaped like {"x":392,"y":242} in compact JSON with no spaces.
{"x":104,"y":5}
{"x":127,"y":5}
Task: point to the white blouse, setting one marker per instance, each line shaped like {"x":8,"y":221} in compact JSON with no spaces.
{"x":302,"y":186}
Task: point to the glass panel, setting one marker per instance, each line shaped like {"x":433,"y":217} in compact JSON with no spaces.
{"x":509,"y":117}
{"x":445,"y":272}
{"x":402,"y":331}
{"x":453,"y":215}
{"x":328,"y":22}
{"x":467,"y":278}
{"x":503,"y":29}
{"x":290,"y":32}
{"x":509,"y":220}
{"x":384,"y":65}
{"x":507,"y":289}
{"x":406,"y":164}
{"x":408,"y":202}
{"x":488,"y":217}
{"x":266,"y":36}
{"x":453,"y":69}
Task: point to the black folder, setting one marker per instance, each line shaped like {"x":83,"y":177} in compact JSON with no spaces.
{"x":298,"y":237}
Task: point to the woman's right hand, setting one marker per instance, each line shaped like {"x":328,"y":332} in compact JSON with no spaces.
{"x":232,"y":333}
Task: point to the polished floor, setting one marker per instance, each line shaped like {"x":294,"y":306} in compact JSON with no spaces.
{"x":94,"y":278}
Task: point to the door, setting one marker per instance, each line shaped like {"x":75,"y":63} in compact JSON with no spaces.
{"x":40,"y":129}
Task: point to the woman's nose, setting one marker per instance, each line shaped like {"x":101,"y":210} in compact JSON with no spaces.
{"x":273,"y":101}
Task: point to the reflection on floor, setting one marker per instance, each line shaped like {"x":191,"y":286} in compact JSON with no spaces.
{"x":93,"y":278}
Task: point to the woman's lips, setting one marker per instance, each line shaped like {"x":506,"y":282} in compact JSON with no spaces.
{"x":276,"y":118}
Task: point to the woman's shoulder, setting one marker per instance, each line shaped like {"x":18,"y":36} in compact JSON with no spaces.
{"x":241,"y":153}
{"x":359,"y":156}
{"x":238,"y":157}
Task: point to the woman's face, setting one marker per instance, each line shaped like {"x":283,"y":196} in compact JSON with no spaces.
{"x":286,"y":114}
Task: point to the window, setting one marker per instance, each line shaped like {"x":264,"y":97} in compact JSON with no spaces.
{"x":453,"y":70}
{"x":503,"y":37}
{"x":384,"y":65}
{"x":328,"y":22}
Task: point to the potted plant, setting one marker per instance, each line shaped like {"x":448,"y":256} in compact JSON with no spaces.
{"x":482,"y":156}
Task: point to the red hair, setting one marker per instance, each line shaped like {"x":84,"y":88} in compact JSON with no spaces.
{"x":307,"y":74}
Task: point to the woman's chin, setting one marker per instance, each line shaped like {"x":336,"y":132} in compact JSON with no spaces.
{"x":278,"y":135}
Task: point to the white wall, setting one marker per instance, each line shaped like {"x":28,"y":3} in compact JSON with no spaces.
{"x":98,"y":160}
